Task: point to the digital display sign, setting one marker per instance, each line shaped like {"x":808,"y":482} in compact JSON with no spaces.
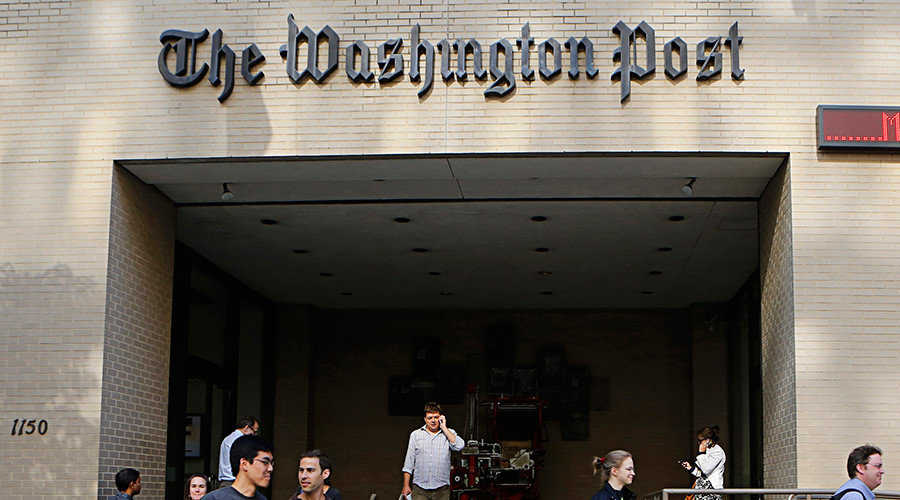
{"x":858,"y":127}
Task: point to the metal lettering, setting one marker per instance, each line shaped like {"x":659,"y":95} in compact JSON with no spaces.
{"x":504,"y":81}
{"x":626,"y":55}
{"x":357,"y":58}
{"x":218,"y":52}
{"x":312,"y":39}
{"x":419,"y":48}
{"x":444,"y":48}
{"x":462,"y":48}
{"x":588,"y":47}
{"x":714,"y":58}
{"x":250,"y":58}
{"x":363,"y":75}
{"x":394,"y":62}
{"x":525,"y":42}
{"x":185,"y":53}
{"x":734,"y":43}
{"x":553,"y":46}
{"x":675,"y":44}
{"x":288,"y":51}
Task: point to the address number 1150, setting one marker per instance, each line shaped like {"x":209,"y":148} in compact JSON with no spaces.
{"x":28,"y":427}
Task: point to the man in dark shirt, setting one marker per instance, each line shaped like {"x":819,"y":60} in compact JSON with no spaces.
{"x":128,"y":482}
{"x":315,"y":469}
{"x":252,"y":460}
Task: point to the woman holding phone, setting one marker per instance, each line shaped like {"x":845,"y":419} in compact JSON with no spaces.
{"x":709,"y":466}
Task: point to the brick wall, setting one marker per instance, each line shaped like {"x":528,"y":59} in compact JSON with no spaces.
{"x":81,"y":89}
{"x":135,"y":385}
{"x":777,"y":334}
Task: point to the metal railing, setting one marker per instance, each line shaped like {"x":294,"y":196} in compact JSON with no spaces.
{"x":792,"y":494}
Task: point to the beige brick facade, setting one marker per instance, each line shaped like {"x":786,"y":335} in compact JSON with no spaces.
{"x":80,"y":89}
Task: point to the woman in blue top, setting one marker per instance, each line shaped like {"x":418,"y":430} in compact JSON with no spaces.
{"x":616,"y":470}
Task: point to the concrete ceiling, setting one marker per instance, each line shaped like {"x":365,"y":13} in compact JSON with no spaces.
{"x":336,"y":241}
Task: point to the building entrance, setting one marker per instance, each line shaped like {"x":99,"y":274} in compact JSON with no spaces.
{"x":593,"y":282}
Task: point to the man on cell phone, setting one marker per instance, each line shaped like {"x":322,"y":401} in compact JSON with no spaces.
{"x":426,"y":470}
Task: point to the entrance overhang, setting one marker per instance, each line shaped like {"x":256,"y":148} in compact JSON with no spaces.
{"x":487,"y":231}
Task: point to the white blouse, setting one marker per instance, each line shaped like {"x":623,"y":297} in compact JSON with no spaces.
{"x":713,"y":465}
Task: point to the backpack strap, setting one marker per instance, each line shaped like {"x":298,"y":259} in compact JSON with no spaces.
{"x":838,"y":496}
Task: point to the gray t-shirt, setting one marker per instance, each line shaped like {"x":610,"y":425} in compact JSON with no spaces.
{"x":229,"y":493}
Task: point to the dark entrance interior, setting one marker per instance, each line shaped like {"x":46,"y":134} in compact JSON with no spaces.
{"x":331,"y":295}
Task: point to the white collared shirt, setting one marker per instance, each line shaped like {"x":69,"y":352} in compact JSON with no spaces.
{"x":428,"y":457}
{"x":225,"y":473}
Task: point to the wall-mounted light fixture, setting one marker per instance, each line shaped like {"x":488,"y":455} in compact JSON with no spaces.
{"x":688,"y":189}
{"x":226,"y":194}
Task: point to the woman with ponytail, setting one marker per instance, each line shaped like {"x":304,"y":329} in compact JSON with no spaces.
{"x":616,"y":470}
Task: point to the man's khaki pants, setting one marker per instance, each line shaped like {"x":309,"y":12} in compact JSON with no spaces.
{"x":442,"y":493}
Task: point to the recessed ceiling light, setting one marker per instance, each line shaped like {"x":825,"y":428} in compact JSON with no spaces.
{"x":434,"y":273}
{"x":676,"y":218}
{"x":541,"y":249}
{"x":446,"y":293}
{"x":269,"y":222}
{"x":664,"y":249}
{"x":401,"y":219}
{"x":544,"y":273}
{"x":655,"y":272}
{"x":539,"y":218}
{"x":546,"y":292}
{"x":326,"y":275}
{"x":301,"y":250}
{"x":420,"y":250}
{"x":378,"y":180}
{"x":646,"y":292}
{"x":347,"y":293}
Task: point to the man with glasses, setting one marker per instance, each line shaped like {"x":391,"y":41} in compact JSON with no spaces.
{"x":245,"y":427}
{"x":251,"y":456}
{"x":865,"y":468}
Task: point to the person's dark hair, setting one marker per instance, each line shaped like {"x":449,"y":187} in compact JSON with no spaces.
{"x":125,"y":477}
{"x":246,"y":422}
{"x":187,"y":485}
{"x":602,"y":465}
{"x":860,"y":456}
{"x":247,"y":447}
{"x":711,"y":433}
{"x":324,"y":460}
{"x":432,"y":407}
